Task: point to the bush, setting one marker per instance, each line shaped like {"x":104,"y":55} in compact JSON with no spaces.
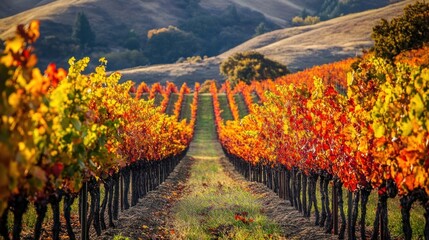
{"x":308,"y":20}
{"x":249,"y":66}
{"x":167,"y":45}
{"x":205,"y":87}
{"x":124,"y":59}
{"x":260,"y":29}
{"x":191,"y":60}
{"x":409,"y":31}
{"x":132,"y":42}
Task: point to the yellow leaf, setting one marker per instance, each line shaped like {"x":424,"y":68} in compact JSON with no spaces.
{"x":13,"y":170}
{"x":7,"y":60}
{"x":33,"y":30}
{"x":417,"y":104}
{"x":310,"y":104}
{"x":406,"y":127}
{"x":350,"y":78}
{"x":379,"y":130}
{"x":14,"y":100}
{"x":14,"y":44}
{"x":285,"y":129}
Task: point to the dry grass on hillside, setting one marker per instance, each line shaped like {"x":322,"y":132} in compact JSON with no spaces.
{"x":135,"y":14}
{"x":105,"y":16}
{"x":298,"y":48}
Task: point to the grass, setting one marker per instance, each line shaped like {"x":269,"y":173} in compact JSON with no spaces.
{"x":215,"y":198}
{"x":255,"y":98}
{"x":185,"y":112}
{"x":205,"y":129}
{"x":170,"y":107}
{"x":211,"y":206}
{"x":208,"y":210}
{"x":394,"y":214}
{"x":30,"y":216}
{"x":242,"y":108}
{"x":158,"y":99}
{"x":145,"y":96}
{"x":226,"y":111}
{"x":120,"y":237}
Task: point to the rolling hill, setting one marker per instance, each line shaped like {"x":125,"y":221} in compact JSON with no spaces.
{"x":298,"y":47}
{"x":108,"y":18}
{"x":141,"y":15}
{"x":113,"y":20}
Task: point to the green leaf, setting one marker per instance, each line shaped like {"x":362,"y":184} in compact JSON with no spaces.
{"x":68,"y":138}
{"x":76,"y":124}
{"x":102,"y":140}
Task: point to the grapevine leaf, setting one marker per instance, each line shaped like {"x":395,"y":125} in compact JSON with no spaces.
{"x":406,"y":127}
{"x":76,"y":124}
{"x":379,"y":130}
{"x":417,"y":104}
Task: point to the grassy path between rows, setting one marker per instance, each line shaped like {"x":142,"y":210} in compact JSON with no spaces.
{"x":216,"y":206}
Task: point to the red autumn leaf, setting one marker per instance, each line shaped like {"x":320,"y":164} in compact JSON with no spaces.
{"x":57,"y":169}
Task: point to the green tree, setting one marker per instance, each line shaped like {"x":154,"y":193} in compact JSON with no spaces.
{"x":133,"y":41}
{"x":231,"y":16}
{"x":167,"y":45}
{"x":304,"y":13}
{"x":249,"y":66}
{"x":82,"y":33}
{"x":260,"y":29}
{"x":409,"y":31}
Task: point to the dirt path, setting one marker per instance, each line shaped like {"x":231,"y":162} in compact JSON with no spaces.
{"x":291,"y":221}
{"x":147,"y":220}
{"x":205,"y":198}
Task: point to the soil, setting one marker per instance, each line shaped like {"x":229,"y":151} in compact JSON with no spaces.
{"x":148,"y":219}
{"x":291,"y":221}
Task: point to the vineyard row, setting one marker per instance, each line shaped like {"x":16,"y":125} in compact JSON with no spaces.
{"x":369,"y":134}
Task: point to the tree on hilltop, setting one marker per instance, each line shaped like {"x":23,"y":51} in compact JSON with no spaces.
{"x":82,"y":33}
{"x":249,"y":66}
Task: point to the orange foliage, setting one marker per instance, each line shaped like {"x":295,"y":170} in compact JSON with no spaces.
{"x":178,"y":105}
{"x":416,"y":57}
{"x":194,"y":107}
{"x":231,"y":101}
{"x":169,"y":89}
{"x":245,"y":90}
{"x":142,"y":88}
{"x":332,"y":73}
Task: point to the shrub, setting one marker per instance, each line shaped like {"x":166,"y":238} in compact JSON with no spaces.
{"x":309,"y":20}
{"x":125,"y":59}
{"x":249,"y":66}
{"x":167,"y":45}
